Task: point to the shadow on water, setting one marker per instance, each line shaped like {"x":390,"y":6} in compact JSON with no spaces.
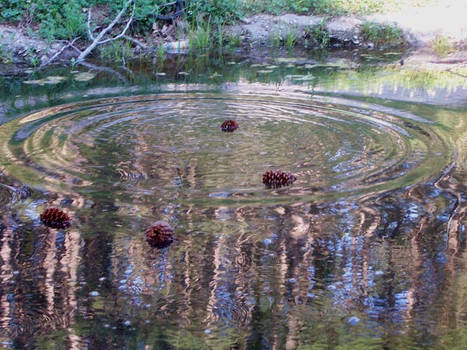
{"x":366,"y":250}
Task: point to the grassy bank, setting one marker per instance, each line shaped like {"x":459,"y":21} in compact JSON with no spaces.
{"x":63,"y":19}
{"x":328,"y":7}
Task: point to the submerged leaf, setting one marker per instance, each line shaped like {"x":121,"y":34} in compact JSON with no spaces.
{"x":84,"y":76}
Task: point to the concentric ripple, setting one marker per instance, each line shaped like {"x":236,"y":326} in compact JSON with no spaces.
{"x":169,"y":146}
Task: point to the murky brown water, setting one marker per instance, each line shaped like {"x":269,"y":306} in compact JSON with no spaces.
{"x":366,"y":250}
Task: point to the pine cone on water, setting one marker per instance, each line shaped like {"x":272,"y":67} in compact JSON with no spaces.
{"x":55,"y":218}
{"x":160,"y":234}
{"x":229,"y":125}
{"x":277,"y":178}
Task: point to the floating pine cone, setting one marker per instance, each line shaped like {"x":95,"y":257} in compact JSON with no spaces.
{"x":160,"y":234}
{"x":276,"y":179}
{"x":55,"y":218}
{"x":229,"y":125}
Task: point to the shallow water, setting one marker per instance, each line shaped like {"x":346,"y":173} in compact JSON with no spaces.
{"x":365,"y":250}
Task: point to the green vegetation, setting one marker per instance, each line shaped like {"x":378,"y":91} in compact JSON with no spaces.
{"x":382,"y":35}
{"x":6,"y":56}
{"x":116,"y":51}
{"x":291,"y":37}
{"x":275,"y":38}
{"x":63,"y":19}
{"x":329,"y":7}
{"x":200,"y":36}
{"x":232,"y":40}
{"x":441,"y":46}
{"x":318,"y":35}
{"x":55,"y":19}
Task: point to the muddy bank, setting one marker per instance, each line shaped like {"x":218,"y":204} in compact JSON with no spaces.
{"x":18,"y":47}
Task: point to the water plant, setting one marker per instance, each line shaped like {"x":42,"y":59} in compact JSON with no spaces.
{"x":291,"y":37}
{"x":119,"y":50}
{"x":160,"y":53}
{"x":200,"y":36}
{"x":220,"y":35}
{"x":275,"y":38}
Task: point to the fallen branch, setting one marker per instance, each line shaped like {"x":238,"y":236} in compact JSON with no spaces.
{"x":136,"y":42}
{"x":98,"y":39}
{"x":59,"y":52}
{"x":91,"y":36}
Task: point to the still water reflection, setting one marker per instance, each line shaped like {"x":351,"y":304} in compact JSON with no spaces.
{"x":366,"y":250}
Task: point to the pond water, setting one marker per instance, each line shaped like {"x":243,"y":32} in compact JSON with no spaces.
{"x":366,"y":250}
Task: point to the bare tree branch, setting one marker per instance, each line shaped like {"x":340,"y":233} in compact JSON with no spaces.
{"x":98,"y":40}
{"x":76,"y":49}
{"x":91,"y":36}
{"x":59,"y":52}
{"x":124,"y":29}
{"x":136,"y":42}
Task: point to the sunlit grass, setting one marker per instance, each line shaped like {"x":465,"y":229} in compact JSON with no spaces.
{"x":330,"y":7}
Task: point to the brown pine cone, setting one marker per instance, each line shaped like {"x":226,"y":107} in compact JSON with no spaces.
{"x":277,"y":178}
{"x":160,"y":234}
{"x":55,"y":218}
{"x":229,"y":125}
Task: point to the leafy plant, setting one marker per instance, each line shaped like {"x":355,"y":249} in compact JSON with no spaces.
{"x":318,"y":35}
{"x":382,"y":35}
{"x":226,"y":11}
{"x":441,"y":45}
{"x":64,"y":24}
{"x":33,"y":58}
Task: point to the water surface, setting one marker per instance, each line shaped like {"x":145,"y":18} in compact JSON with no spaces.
{"x":365,"y":250}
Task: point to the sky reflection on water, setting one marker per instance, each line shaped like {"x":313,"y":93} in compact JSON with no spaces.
{"x":365,"y":251}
